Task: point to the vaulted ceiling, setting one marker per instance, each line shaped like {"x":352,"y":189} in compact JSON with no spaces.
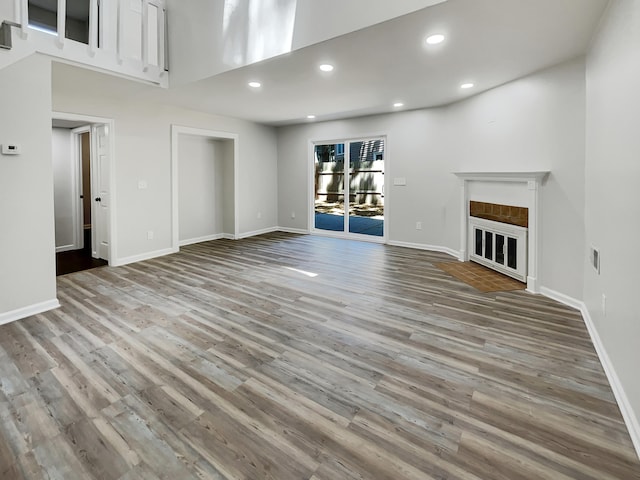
{"x":487,"y":43}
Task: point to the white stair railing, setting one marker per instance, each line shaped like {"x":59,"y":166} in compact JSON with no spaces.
{"x":120,"y":38}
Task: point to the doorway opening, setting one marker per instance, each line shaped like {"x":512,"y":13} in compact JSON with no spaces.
{"x":82,"y":200}
{"x":204,"y":198}
{"x":348,"y":188}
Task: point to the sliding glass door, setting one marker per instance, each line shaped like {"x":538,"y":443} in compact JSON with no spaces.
{"x":349,"y":187}
{"x":329,"y":187}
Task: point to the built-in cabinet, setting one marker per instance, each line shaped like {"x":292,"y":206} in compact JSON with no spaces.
{"x":499,"y":246}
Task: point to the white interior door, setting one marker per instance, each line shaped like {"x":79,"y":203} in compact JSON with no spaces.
{"x":100,"y":191}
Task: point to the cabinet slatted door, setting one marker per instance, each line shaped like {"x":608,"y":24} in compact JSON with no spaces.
{"x":479,"y":243}
{"x":497,"y":248}
{"x":488,"y":245}
{"x":512,"y":253}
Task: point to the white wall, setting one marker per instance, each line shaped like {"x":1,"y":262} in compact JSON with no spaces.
{"x":227,"y":150}
{"x":203,"y":200}
{"x":207,"y":38}
{"x":613,"y":196}
{"x":7,"y":11}
{"x":63,"y":188}
{"x":536,"y":123}
{"x":142,"y":135}
{"x":27,"y":245}
{"x":413,"y":151}
{"x":319,"y":21}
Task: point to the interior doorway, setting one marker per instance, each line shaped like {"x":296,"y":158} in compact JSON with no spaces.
{"x":348,"y":188}
{"x":82,"y":201}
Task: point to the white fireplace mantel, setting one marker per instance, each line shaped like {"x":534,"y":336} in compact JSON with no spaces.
{"x":504,"y":176}
{"x":531,"y":182}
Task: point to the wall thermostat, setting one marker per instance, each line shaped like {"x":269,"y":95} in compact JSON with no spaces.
{"x":11,"y":149}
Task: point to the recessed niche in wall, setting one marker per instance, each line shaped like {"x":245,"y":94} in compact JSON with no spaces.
{"x":203,"y":184}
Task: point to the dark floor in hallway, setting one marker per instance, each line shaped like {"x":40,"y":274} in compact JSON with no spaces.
{"x":78,"y":260}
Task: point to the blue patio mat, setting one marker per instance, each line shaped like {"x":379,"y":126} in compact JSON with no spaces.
{"x":362,"y":225}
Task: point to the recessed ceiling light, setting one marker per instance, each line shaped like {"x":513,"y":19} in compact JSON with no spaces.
{"x":255,"y":84}
{"x":398,"y":104}
{"x":435,"y":39}
{"x":325,"y":67}
{"x":311,"y":117}
{"x":466,"y":85}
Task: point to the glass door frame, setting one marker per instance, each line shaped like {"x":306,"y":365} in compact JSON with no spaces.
{"x":347,"y":179}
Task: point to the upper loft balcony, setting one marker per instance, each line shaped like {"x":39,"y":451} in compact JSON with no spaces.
{"x":125,"y":37}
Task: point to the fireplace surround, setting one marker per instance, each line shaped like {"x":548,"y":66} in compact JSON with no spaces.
{"x":521,"y":189}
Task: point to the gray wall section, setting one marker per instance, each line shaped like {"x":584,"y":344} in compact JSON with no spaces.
{"x":536,"y":123}
{"x":142,"y":141}
{"x":612,"y":194}
{"x":27,"y":256}
{"x":204,"y":202}
{"x":227,"y":148}
{"x":63,"y":177}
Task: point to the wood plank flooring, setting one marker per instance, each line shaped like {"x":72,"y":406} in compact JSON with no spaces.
{"x":298,"y":357}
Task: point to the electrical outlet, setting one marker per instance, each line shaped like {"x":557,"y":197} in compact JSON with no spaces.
{"x":259,"y":214}
{"x":418,"y":225}
{"x":150,"y":235}
{"x":604,"y":305}
{"x":293,"y":214}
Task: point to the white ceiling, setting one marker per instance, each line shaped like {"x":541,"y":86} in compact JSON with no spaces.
{"x":488,"y":42}
{"x":208,"y":37}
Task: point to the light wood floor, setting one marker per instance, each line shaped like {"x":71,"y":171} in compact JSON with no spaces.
{"x":298,"y":357}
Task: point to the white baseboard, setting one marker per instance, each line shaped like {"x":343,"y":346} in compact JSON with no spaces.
{"x":256,"y":232}
{"x":66,"y":248}
{"x":564,"y":299}
{"x":532,"y":287}
{"x":25,"y":312}
{"x":228,"y":236}
{"x":300,"y":231}
{"x":628,"y":415}
{"x":423,"y":246}
{"x":206,"y":238}
{"x":144,"y":256}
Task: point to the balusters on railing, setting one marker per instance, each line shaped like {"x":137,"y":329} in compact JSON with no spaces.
{"x":144,"y":31}
{"x":120,"y":32}
{"x":62,"y":22}
{"x":163,"y":47}
{"x":113,"y":24}
{"x":93,"y":27}
{"x":23,"y":8}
